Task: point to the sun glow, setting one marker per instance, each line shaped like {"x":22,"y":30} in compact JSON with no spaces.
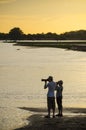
{"x":42,"y":16}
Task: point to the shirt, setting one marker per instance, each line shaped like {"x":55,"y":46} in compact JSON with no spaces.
{"x":59,"y":91}
{"x":51,"y":88}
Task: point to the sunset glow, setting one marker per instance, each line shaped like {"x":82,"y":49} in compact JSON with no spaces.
{"x":37,"y":16}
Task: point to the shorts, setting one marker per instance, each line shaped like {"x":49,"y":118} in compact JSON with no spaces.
{"x":51,"y":103}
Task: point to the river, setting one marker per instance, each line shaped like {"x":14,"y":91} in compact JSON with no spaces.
{"x":21,"y":71}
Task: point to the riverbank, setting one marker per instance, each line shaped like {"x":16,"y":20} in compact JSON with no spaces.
{"x":73,"y":119}
{"x":79,"y":46}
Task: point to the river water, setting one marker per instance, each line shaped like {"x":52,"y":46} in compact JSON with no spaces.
{"x":21,"y":71}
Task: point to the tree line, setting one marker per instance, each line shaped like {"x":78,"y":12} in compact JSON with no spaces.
{"x":17,"y":34}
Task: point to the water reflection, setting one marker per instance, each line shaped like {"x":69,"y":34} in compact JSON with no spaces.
{"x":21,"y":72}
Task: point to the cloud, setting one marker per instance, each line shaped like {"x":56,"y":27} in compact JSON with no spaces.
{"x":6,"y":1}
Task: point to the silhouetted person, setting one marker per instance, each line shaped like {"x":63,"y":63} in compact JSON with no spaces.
{"x":59,"y":89}
{"x":51,"y":85}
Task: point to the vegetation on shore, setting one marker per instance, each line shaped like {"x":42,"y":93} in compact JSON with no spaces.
{"x":17,"y":34}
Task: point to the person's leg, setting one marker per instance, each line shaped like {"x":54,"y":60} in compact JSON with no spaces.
{"x":48,"y":107}
{"x":61,"y":108}
{"x":53,"y":106}
{"x":58,"y":104}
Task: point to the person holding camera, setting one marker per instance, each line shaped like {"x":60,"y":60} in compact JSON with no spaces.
{"x":59,"y":89}
{"x":51,"y":85}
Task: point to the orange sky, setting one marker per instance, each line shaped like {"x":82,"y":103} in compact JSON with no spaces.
{"x":37,"y":16}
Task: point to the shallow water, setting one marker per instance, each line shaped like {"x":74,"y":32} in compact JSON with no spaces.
{"x":21,"y":71}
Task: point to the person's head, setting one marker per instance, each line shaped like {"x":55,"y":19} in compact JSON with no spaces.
{"x":50,"y":78}
{"x":60,"y":82}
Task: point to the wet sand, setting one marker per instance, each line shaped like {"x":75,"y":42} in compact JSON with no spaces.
{"x":73,"y":119}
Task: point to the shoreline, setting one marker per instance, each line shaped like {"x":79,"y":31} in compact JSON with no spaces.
{"x":73,"y":119}
{"x":76,"y":46}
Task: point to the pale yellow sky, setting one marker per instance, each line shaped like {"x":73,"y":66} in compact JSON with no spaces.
{"x":37,"y":16}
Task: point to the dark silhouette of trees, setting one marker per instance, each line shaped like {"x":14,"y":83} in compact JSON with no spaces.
{"x":74,"y":35}
{"x":17,"y":34}
{"x":2,"y":36}
{"x":52,"y":36}
{"x":42,"y":36}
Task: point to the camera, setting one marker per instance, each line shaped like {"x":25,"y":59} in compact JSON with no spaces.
{"x":44,"y":80}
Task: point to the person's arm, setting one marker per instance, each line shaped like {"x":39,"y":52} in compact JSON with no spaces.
{"x":56,"y":86}
{"x":62,"y":88}
{"x":45,"y":85}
